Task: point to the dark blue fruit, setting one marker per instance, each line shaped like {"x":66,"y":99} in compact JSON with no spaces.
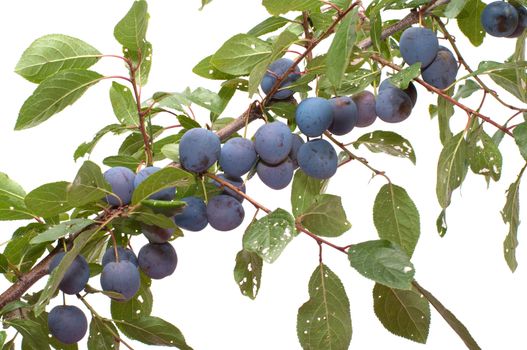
{"x":278,"y":176}
{"x":156,"y":234}
{"x":297,"y":142}
{"x":194,"y":215}
{"x":199,"y":149}
{"x":67,"y":323}
{"x":443,"y":71}
{"x":235,"y":181}
{"x":313,"y":116}
{"x":393,"y":105}
{"x":273,"y":142}
{"x":276,"y":70}
{"x":237,"y":156}
{"x":411,"y":91}
{"x":365,"y":102}
{"x":318,"y":159}
{"x":522,"y":22}
{"x":76,"y":276}
{"x":121,"y":277}
{"x":499,"y":18}
{"x":345,"y":115}
{"x":124,"y":254}
{"x":418,"y":45}
{"x":225,"y":213}
{"x":121,"y":181}
{"x":167,"y":194}
{"x":158,"y":260}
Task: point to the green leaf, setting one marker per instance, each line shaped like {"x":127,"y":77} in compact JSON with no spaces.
{"x":269,"y":25}
{"x":61,"y":230}
{"x":324,"y":321}
{"x":49,"y":200}
{"x":187,"y":123}
{"x":206,"y":70}
{"x":124,"y":105}
{"x":12,"y":206}
{"x":256,"y":76}
{"x":204,"y":3}
{"x":89,"y":185}
{"x":325,"y":216}
{"x":282,"y":43}
{"x":20,"y":253}
{"x":304,"y":191}
{"x":53,"y":95}
{"x":451,"y":168}
{"x":469,"y":21}
{"x":520,"y":136}
{"x":445,"y":110}
{"x":283,"y":109}
{"x":454,"y":8}
{"x":131,"y":30}
{"x":139,"y":306}
{"x":352,"y":82}
{"x":100,"y":337}
{"x":466,"y":90}
{"x":53,"y":53}
{"x":378,"y":43}
{"x":142,"y":59}
{"x":56,"y":276}
{"x":384,"y":262}
{"x":484,"y":156}
{"x":87,"y":147}
{"x":387,"y":142}
{"x":506,"y":75}
{"x":55,"y":344}
{"x":240,"y":54}
{"x":403,"y":312}
{"x":3,"y":337}
{"x":403,"y":78}
{"x":126,"y":161}
{"x":339,"y":53}
{"x":154,"y":219}
{"x":164,"y":205}
{"x":171,"y":151}
{"x":164,"y":178}
{"x":248,"y":272}
{"x":511,"y":216}
{"x":34,"y":336}
{"x":396,"y":218}
{"x":153,"y":331}
{"x":269,"y":236}
{"x":278,"y":7}
{"x":206,"y":99}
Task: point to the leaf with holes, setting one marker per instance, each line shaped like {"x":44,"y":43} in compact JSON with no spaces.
{"x":240,"y":54}
{"x":387,"y":142}
{"x":469,"y":21}
{"x":131,"y":30}
{"x":100,"y":337}
{"x":123,"y":104}
{"x":49,"y":199}
{"x":484,"y":156}
{"x":396,"y":218}
{"x":53,"y":53}
{"x":403,"y":312}
{"x":384,"y":262}
{"x":34,"y":337}
{"x":404,"y":77}
{"x":269,"y":235}
{"x":452,"y":168}
{"x":206,"y":70}
{"x":12,"y":206}
{"x":248,"y":272}
{"x":325,"y":216}
{"x":139,"y":306}
{"x":324,"y":321}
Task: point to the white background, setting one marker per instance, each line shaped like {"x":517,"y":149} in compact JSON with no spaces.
{"x":465,"y":269}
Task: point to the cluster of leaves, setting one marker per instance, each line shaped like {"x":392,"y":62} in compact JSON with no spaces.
{"x":70,"y":212}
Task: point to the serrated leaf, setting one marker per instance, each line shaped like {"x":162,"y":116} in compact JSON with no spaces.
{"x":126,"y":161}
{"x":131,"y":30}
{"x":325,"y":216}
{"x":206,"y":99}
{"x":511,"y":216}
{"x":269,"y":235}
{"x":403,"y":78}
{"x":324,"y":321}
{"x":467,"y":89}
{"x":206,"y":70}
{"x":248,"y":272}
{"x":89,"y":185}
{"x":12,"y":206}
{"x":53,"y":53}
{"x":240,"y":54}
{"x":34,"y":337}
{"x":100,"y":337}
{"x":278,"y":7}
{"x":187,"y":123}
{"x":484,"y":156}
{"x":469,"y":21}
{"x":507,"y":75}
{"x":61,"y":230}
{"x":268,"y":25}
{"x":396,"y":217}
{"x":164,"y":178}
{"x":124,"y":105}
{"x":339,"y":53}
{"x":451,"y":168}
{"x":87,"y":147}
{"x":19,"y":252}
{"x":387,"y":142}
{"x":142,"y":60}
{"x":53,"y":95}
{"x":49,"y":200}
{"x":139,"y":306}
{"x":304,"y":191}
{"x":403,"y":312}
{"x":153,"y":331}
{"x":384,"y":262}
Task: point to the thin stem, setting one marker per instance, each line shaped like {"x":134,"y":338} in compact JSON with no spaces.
{"x":114,"y":242}
{"x":142,"y":115}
